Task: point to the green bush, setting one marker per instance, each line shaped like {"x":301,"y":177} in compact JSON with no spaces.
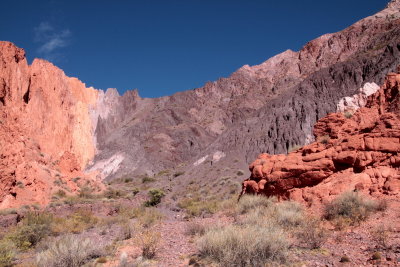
{"x":155,"y":197}
{"x":351,"y":207}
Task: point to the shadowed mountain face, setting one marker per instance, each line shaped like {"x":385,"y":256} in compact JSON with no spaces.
{"x":65,"y":130}
{"x":266,"y":108}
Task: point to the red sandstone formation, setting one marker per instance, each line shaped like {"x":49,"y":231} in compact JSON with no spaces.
{"x":360,"y":152}
{"x":45,"y":129}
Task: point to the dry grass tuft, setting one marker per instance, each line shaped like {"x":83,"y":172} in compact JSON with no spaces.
{"x":245,"y":245}
{"x":350,"y":208}
{"x":69,"y":251}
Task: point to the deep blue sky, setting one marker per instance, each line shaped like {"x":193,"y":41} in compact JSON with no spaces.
{"x":161,"y":47}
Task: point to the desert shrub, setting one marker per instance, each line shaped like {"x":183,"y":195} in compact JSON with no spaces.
{"x":135,"y":191}
{"x":126,"y":230}
{"x":345,"y":259}
{"x":323,"y":139}
{"x":7,"y":253}
{"x":76,"y":222}
{"x":239,"y":173}
{"x":178,"y":174}
{"x":147,"y":240}
{"x":376,"y":256}
{"x":348,"y":114}
{"x":250,"y":202}
{"x":61,"y":193}
{"x":86,"y":192}
{"x":155,"y":195}
{"x":350,"y":206}
{"x":380,"y":235}
{"x":101,"y":260}
{"x":195,"y":228}
{"x":32,"y":229}
{"x":196,"y":206}
{"x":382,"y":205}
{"x":311,"y":233}
{"x":128,"y":180}
{"x":113,"y":193}
{"x":69,"y":251}
{"x":8,"y":211}
{"x":244,"y":245}
{"x":148,"y":216}
{"x":288,"y":214}
{"x":148,"y":179}
{"x":163,"y":172}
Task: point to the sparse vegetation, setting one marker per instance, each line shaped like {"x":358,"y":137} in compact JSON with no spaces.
{"x":376,"y":256}
{"x":76,"y":222}
{"x":69,"y":251}
{"x":148,"y":216}
{"x":344,"y":259}
{"x":323,"y":139}
{"x":239,"y":173}
{"x":195,"y":206}
{"x":311,"y":233}
{"x":7,"y":253}
{"x":178,"y":174}
{"x":86,"y":192}
{"x":248,"y":203}
{"x":147,"y":179}
{"x":147,"y":240}
{"x":350,"y":207}
{"x":113,"y":193}
{"x":33,"y":228}
{"x":348,"y":114}
{"x":155,"y":195}
{"x":195,"y":228}
{"x":245,"y":245}
{"x":381,"y":236}
{"x":260,"y":234}
{"x":61,"y":193}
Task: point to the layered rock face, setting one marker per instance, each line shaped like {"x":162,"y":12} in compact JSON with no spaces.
{"x":266,"y":108}
{"x":353,"y":152}
{"x":46,"y":133}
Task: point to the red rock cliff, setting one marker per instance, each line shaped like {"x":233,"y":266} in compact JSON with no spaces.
{"x":45,"y":129}
{"x":357,"y":151}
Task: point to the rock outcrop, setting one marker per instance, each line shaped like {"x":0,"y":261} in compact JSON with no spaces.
{"x":46,"y":134}
{"x":358,"y":152}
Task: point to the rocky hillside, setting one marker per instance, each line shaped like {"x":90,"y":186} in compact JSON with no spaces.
{"x":55,"y":131}
{"x":266,"y":108}
{"x":354,"y":151}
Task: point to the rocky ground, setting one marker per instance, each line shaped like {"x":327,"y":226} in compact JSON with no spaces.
{"x":378,"y":236}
